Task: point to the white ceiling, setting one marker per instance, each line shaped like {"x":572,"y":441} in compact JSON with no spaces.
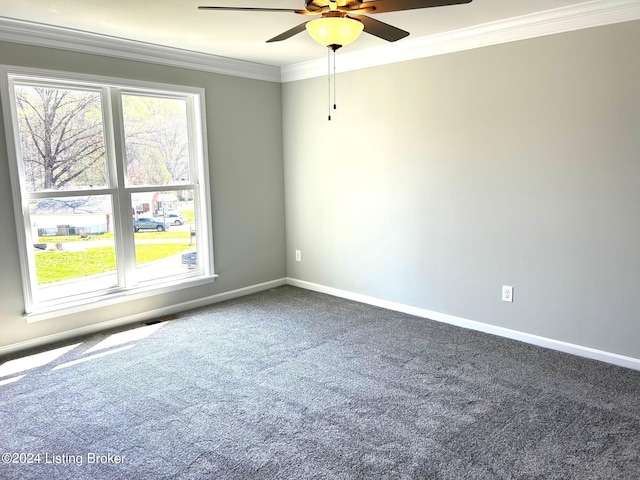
{"x":242,"y":35}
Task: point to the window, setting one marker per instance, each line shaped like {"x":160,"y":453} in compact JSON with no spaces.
{"x":110,"y":187}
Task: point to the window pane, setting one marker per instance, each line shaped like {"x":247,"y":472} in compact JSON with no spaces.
{"x":66,"y":175}
{"x":156,"y":140}
{"x":61,"y":138}
{"x":73,"y":242}
{"x":165,"y":238}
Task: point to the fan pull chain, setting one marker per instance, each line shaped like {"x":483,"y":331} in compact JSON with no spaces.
{"x":332,"y":47}
{"x":329,"y":78}
{"x":334,"y":79}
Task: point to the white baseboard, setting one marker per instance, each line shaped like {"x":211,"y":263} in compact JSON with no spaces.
{"x":608,"y":357}
{"x":587,"y":352}
{"x":139,"y":317}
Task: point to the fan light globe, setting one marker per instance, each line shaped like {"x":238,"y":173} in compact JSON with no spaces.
{"x":334,"y":30}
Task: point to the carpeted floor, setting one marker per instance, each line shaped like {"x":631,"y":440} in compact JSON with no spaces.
{"x":289,"y":384}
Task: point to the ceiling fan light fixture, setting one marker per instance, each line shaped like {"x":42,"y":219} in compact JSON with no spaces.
{"x":329,"y":31}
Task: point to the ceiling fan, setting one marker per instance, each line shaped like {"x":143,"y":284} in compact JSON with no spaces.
{"x":342,"y":21}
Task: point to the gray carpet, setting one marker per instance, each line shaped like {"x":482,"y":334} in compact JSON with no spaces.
{"x":289,"y":384}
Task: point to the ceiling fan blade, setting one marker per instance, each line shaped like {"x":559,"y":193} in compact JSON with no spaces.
{"x":289,"y":33}
{"x":256,"y":9}
{"x":315,"y":5}
{"x":382,"y":30}
{"x":382,"y":6}
{"x":356,"y":10}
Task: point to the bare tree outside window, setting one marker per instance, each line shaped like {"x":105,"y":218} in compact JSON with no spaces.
{"x":61,"y":138}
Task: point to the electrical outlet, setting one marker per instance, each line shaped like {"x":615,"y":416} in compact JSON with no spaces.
{"x":298,"y":256}
{"x":507,"y":293}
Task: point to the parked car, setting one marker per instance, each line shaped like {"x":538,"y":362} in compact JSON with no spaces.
{"x":172,"y":218}
{"x":149,"y":224}
{"x":190,"y":259}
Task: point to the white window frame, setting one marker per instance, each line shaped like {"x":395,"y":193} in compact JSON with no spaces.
{"x":112,"y":89}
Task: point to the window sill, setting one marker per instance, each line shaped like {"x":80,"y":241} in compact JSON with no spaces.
{"x":113,"y":298}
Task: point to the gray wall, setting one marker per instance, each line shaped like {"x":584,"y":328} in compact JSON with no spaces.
{"x":441,"y":179}
{"x":246,"y":180}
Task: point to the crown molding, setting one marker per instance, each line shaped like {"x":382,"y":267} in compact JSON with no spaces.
{"x":37,"y":34}
{"x":584,"y":15}
{"x":565,"y":19}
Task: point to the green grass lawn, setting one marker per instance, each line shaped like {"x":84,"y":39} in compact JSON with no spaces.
{"x":55,"y":266}
{"x":108,"y":236}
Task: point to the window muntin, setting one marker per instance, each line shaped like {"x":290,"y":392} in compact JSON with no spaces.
{"x":88,"y":193}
